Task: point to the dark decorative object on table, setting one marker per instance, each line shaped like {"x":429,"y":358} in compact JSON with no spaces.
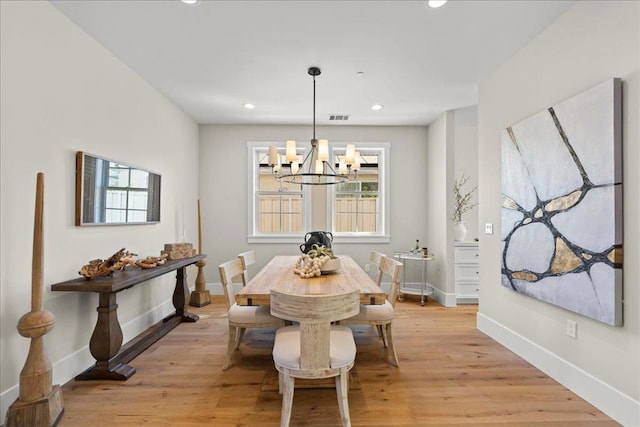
{"x":320,"y":238}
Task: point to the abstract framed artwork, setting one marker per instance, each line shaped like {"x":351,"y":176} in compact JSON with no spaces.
{"x":562,"y":204}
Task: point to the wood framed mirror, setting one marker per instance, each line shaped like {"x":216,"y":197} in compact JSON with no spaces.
{"x":110,"y":192}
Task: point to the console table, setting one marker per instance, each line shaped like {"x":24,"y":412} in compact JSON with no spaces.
{"x":106,"y":341}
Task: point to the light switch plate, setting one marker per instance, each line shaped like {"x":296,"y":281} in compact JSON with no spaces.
{"x":488,"y":228}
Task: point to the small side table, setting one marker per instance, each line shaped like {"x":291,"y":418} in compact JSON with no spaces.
{"x":425,"y":289}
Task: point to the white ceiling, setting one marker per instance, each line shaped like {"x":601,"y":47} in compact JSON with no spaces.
{"x":213,"y":57}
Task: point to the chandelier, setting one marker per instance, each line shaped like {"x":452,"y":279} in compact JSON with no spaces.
{"x":315,"y":169}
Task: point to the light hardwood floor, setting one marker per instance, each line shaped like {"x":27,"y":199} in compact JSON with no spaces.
{"x":450,"y":374}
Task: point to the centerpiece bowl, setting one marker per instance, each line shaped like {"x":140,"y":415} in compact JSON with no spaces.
{"x":330,"y":265}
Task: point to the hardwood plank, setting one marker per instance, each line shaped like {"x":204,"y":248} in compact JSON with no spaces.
{"x":450,"y":374}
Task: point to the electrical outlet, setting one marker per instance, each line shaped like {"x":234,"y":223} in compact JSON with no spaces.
{"x":488,"y":228}
{"x":366,"y":268}
{"x":572,"y":329}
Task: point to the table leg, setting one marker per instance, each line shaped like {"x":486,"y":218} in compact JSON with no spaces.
{"x":105,"y":343}
{"x":181,"y":295}
{"x":424,"y":283}
{"x":404,"y":280}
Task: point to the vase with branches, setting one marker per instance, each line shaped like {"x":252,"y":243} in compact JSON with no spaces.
{"x":462,"y":204}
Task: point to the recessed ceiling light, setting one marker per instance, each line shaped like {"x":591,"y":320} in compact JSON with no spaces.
{"x":360,"y":74}
{"x":249,"y":106}
{"x":432,"y":3}
{"x":191,"y":2}
{"x":377,"y":107}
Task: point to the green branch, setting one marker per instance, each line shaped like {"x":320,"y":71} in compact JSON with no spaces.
{"x":462,"y":201}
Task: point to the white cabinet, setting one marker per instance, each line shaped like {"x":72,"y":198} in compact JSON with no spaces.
{"x":467,"y":274}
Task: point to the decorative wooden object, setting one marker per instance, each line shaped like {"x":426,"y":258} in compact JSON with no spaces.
{"x":200,"y":296}
{"x":106,"y":341}
{"x":278,"y":274}
{"x":39,"y":403}
{"x":151,"y":261}
{"x":178,"y":250}
{"x":99,"y":267}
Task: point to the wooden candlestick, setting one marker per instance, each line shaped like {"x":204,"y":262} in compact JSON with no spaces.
{"x":39,"y":403}
{"x":200,"y":296}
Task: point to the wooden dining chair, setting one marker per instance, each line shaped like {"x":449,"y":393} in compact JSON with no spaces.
{"x":247,"y":258}
{"x":241,"y":317}
{"x":314,"y":348}
{"x":381,"y":315}
{"x":375,"y":258}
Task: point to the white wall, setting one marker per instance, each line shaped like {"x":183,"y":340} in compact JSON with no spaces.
{"x":224,"y":175}
{"x":466,"y":160}
{"x":62,"y":92}
{"x":452,"y":149}
{"x":590,"y":43}
{"x":439,"y":184}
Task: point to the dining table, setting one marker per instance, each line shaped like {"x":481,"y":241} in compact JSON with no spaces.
{"x":279,"y":274}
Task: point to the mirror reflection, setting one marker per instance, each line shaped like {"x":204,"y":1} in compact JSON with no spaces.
{"x":112,"y":192}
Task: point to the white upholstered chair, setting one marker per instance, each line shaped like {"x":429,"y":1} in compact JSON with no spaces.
{"x":381,"y":315}
{"x":314,"y":348}
{"x":241,"y":317}
{"x":247,"y":258}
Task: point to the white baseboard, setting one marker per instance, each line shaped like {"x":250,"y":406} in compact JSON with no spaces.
{"x":612,"y":402}
{"x":67,"y":368}
{"x":7,"y":397}
{"x":447,"y":299}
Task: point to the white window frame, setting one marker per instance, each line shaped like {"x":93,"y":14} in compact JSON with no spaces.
{"x":254,"y":236}
{"x":383,"y":235}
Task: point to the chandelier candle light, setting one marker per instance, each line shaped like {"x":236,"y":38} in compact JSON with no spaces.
{"x":315,"y":169}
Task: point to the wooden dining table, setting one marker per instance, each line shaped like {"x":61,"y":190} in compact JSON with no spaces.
{"x":278,"y":274}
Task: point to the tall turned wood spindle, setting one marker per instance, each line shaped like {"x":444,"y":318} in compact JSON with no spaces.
{"x":39,"y":403}
{"x":200,"y":296}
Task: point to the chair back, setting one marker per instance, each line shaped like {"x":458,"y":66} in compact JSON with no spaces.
{"x":230,"y":271}
{"x":315,"y":314}
{"x":392,"y":268}
{"x":247,"y":258}
{"x":375,"y":258}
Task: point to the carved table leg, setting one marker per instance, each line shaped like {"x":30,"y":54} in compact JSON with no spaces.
{"x":181,"y":295}
{"x":105,"y":343}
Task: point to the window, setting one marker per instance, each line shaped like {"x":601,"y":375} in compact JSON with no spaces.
{"x":356,"y":207}
{"x":110,"y":192}
{"x":126,"y":194}
{"x":359,"y":210}
{"x":355,"y":212}
{"x":278,"y":211}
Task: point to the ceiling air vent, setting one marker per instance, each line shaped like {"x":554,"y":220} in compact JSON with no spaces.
{"x":338,"y":117}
